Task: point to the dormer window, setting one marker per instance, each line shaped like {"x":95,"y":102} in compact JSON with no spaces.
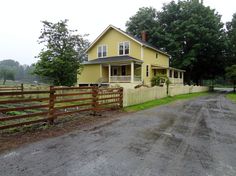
{"x":102,"y":51}
{"x":123,"y":48}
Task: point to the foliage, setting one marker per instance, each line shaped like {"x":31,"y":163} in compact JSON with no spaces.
{"x":192,"y":33}
{"x":60,"y":61}
{"x":159,"y":80}
{"x":231,"y":33}
{"x":231,"y":74}
{"x":6,"y":75}
{"x":22,"y":73}
{"x":232,"y":97}
{"x":162,"y":101}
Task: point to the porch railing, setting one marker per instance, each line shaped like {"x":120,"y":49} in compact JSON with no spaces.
{"x":120,"y":78}
{"x":137,"y":78}
{"x":124,"y":78}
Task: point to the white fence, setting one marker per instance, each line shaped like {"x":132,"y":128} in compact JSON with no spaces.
{"x":141,"y":95}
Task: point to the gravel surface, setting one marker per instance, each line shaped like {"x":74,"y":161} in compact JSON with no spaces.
{"x":192,"y":138}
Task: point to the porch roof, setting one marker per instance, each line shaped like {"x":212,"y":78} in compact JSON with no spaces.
{"x":114,"y":59}
{"x":169,"y":68}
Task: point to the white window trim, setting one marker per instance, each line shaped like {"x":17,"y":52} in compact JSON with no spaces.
{"x":102,"y":50}
{"x":123,"y":48}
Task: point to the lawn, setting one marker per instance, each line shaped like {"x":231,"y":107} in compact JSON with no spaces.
{"x":231,"y":96}
{"x":162,"y":101}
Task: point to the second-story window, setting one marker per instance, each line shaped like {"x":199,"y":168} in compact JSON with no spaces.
{"x":102,"y":51}
{"x":123,"y":48}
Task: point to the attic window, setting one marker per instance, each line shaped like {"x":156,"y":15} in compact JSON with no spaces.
{"x":123,"y":48}
{"x":102,"y":51}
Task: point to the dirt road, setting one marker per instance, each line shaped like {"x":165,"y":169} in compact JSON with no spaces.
{"x":186,"y":138}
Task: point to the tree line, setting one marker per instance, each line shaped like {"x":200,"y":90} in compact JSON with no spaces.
{"x":13,"y":70}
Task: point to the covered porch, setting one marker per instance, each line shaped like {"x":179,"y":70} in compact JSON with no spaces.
{"x":121,"y":73}
{"x":176,"y":76}
{"x":118,"y":69}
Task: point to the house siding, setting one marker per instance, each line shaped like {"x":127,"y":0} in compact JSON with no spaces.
{"x":149,"y":58}
{"x":112,"y":38}
{"x":90,"y":74}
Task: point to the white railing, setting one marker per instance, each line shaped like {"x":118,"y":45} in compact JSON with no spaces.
{"x":137,"y":78}
{"x":120,"y":78}
{"x":176,"y":81}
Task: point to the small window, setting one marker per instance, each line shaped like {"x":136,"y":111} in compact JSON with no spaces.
{"x":147,"y":71}
{"x":157,"y":55}
{"x":170,"y":74}
{"x":102,"y":51}
{"x":181,"y":75}
{"x":123,"y":48}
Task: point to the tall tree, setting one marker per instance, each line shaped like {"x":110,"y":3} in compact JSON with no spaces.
{"x":60,"y":60}
{"x":231,"y":34}
{"x":191,"y":33}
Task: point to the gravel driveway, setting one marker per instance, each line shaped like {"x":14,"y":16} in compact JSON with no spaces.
{"x":194,"y":138}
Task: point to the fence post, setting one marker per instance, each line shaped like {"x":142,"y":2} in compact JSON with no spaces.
{"x":121,"y":97}
{"x":51,"y":105}
{"x":95,"y":99}
{"x":22,"y":89}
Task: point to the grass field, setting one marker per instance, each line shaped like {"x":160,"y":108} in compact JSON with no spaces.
{"x":162,"y":101}
{"x":232,"y":97}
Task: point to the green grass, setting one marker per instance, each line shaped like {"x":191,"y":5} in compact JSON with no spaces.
{"x":163,"y":101}
{"x":232,"y":97}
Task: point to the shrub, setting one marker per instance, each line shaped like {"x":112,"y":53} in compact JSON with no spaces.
{"x":160,"y":80}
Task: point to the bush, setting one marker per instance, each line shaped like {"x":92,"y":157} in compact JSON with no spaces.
{"x":160,"y":80}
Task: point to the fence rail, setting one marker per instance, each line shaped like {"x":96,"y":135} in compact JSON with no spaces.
{"x":29,"y":107}
{"x":12,"y":88}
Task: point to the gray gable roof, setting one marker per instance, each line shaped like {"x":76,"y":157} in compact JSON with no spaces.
{"x":114,"y":59}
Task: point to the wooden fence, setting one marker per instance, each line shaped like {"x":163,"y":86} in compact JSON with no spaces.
{"x":20,"y":108}
{"x":12,"y":88}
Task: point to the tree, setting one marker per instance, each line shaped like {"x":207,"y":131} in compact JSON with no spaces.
{"x":6,"y":75}
{"x":190,"y":32}
{"x":231,"y":74}
{"x":60,"y":61}
{"x":231,"y":34}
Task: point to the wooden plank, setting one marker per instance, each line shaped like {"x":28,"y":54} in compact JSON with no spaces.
{"x":73,"y":100}
{"x":23,"y":108}
{"x":71,"y":88}
{"x":73,"y":94}
{"x":72,"y":106}
{"x":108,"y":89}
{"x":110,"y":98}
{"x":113,"y":93}
{"x":22,"y":116}
{"x":24,"y":123}
{"x":23,"y":93}
{"x":24,"y":100}
{"x":6,"y":89}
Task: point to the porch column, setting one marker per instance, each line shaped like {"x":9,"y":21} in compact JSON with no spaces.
{"x":100,"y":70}
{"x":132,"y":72}
{"x":109,"y":73}
{"x":173,"y":78}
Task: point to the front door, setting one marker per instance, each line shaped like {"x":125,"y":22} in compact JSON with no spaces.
{"x":114,"y":71}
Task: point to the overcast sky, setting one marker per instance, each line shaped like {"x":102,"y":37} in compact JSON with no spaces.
{"x":21,"y":20}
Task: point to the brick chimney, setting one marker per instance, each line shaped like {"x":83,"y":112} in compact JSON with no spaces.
{"x":144,"y":36}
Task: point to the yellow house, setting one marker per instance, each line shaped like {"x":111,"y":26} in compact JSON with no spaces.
{"x":117,"y":58}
